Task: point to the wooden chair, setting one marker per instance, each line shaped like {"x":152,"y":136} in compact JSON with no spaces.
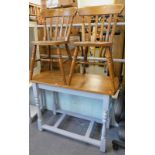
{"x":60,"y":21}
{"x":105,"y":22}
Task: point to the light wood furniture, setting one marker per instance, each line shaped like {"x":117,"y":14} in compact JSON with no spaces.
{"x":67,"y":3}
{"x":34,"y":9}
{"x":95,"y":88}
{"x":83,"y":82}
{"x":59,"y":35}
{"x":34,"y":12}
{"x":101,"y":14}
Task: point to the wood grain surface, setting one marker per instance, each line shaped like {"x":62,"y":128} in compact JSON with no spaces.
{"x":84,"y":82}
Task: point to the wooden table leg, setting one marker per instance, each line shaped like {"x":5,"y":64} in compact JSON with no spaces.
{"x":103,"y":145}
{"x":37,"y":102}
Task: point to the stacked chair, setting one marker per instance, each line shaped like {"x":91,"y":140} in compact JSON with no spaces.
{"x":59,"y":35}
{"x":106,"y":17}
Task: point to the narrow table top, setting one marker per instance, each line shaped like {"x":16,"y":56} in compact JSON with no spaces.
{"x":83,"y":82}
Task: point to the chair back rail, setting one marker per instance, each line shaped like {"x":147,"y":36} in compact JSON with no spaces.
{"x":60,"y":21}
{"x":93,"y":22}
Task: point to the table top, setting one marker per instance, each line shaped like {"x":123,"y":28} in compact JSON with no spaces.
{"x":83,"y":82}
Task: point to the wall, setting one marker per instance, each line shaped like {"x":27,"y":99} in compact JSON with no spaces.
{"x":35,"y":1}
{"x":83,"y":3}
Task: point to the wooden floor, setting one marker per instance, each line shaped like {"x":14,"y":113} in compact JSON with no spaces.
{"x":84,"y":82}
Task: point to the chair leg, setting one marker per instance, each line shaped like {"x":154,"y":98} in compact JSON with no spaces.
{"x":110,"y":64}
{"x":85,"y":60}
{"x":73,"y":65}
{"x":32,"y":61}
{"x":68,"y":52}
{"x":61,"y":65}
{"x":101,"y":52}
{"x":49,"y":56}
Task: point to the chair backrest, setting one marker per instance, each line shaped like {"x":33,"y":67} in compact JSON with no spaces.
{"x":99,"y":22}
{"x":60,"y":21}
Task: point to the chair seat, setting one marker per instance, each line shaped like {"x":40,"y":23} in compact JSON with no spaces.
{"x":90,"y":43}
{"x":49,"y":42}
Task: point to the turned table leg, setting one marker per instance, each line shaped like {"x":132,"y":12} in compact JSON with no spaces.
{"x":38,"y":105}
{"x":103,"y":144}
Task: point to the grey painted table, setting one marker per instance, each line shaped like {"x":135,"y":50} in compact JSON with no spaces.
{"x":37,"y":87}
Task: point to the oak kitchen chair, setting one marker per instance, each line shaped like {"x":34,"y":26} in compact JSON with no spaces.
{"x":104,"y":29}
{"x":59,"y":35}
